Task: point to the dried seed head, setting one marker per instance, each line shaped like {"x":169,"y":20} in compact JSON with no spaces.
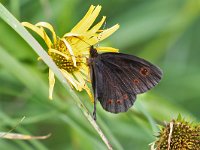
{"x":178,"y":135}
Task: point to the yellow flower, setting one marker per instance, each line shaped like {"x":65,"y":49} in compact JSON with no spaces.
{"x":70,"y":52}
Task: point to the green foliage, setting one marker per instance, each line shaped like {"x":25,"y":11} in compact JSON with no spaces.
{"x":165,"y":32}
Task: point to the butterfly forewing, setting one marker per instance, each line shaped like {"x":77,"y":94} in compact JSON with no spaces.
{"x":139,"y":74}
{"x":119,"y":77}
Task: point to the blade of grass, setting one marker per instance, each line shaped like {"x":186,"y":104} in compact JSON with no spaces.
{"x":141,"y":108}
{"x":15,"y":7}
{"x":15,"y":24}
{"x":111,"y":136}
{"x":77,"y":127}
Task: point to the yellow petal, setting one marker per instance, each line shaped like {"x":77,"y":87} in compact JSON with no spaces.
{"x":103,"y":35}
{"x":48,"y":26}
{"x":39,"y":31}
{"x":71,"y":80}
{"x":80,"y":44}
{"x":84,"y":69}
{"x":76,"y":41}
{"x":51,"y":83}
{"x":80,"y":79}
{"x":96,"y":27}
{"x":70,"y":50}
{"x":72,"y":34}
{"x":87,"y":21}
{"x":84,"y":18}
{"x":58,"y":52}
{"x":106,"y":33}
{"x":89,"y":93}
{"x":107,"y":49}
{"x":86,"y":72}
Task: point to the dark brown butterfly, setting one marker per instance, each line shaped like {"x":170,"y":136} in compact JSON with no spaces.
{"x":117,"y":78}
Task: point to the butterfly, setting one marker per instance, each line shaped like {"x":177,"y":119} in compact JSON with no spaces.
{"x":117,"y":78}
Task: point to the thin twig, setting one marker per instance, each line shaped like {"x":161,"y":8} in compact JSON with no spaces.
{"x":170,"y":134}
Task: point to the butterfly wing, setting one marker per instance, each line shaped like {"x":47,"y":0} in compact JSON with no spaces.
{"x":118,"y":78}
{"x":139,"y":73}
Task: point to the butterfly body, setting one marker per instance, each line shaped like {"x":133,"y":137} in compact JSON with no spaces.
{"x":117,"y":78}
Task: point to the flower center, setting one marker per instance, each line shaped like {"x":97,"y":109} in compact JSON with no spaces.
{"x":66,"y":64}
{"x":63,"y":62}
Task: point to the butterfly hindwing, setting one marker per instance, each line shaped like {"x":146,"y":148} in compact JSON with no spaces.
{"x":119,"y":78}
{"x":111,"y":92}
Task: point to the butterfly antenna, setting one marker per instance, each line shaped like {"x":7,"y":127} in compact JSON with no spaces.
{"x":100,"y":35}
{"x":82,"y":40}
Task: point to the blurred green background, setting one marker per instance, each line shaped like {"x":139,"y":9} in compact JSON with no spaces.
{"x":167,"y":33}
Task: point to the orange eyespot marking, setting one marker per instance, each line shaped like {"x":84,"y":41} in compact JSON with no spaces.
{"x":110,"y":101}
{"x":136,"y":81}
{"x":119,"y":101}
{"x":144,"y":71}
{"x":125,"y":96}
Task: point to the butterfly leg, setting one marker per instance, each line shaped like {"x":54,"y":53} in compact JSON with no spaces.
{"x":95,"y":103}
{"x":94,"y":112}
{"x":92,"y":76}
